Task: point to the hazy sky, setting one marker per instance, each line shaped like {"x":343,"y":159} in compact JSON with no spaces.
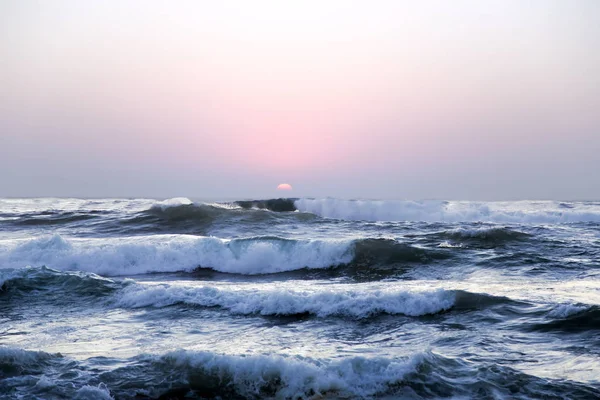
{"x":459,"y":99}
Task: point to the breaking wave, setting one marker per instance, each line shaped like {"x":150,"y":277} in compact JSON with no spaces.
{"x":357,"y":302}
{"x":349,"y":303}
{"x":171,"y":253}
{"x":205,"y":374}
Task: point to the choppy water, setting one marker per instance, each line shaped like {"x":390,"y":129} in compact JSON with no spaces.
{"x":299,"y":298}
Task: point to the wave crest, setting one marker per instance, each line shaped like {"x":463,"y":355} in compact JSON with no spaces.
{"x":171,"y":253}
{"x":350,"y":303}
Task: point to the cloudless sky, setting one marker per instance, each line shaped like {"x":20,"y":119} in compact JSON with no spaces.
{"x":463,"y":99}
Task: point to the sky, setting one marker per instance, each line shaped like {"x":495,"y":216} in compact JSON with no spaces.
{"x":463,"y":99}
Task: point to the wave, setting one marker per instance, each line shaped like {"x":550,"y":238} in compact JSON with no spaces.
{"x":181,"y":215}
{"x":486,"y":234}
{"x":451,"y":211}
{"x":482,"y":236}
{"x":26,"y":280}
{"x":184,"y":216}
{"x":349,"y":303}
{"x":171,"y":253}
{"x":52,"y":218}
{"x":278,"y":205}
{"x":206,"y":374}
{"x":173,"y":214}
{"x":570,"y":318}
{"x":358,"y":301}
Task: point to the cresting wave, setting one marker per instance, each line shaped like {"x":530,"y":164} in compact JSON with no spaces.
{"x":170,"y":253}
{"x":350,"y":303}
{"x":204,"y":374}
{"x":356,"y":303}
{"x":359,"y":301}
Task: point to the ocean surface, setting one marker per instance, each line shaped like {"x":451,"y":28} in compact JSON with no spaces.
{"x":299,"y":299}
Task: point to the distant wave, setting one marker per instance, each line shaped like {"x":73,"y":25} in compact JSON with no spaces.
{"x":48,"y":218}
{"x":451,"y":211}
{"x":181,"y":215}
{"x":184,"y":216}
{"x":170,"y":253}
{"x":486,"y":234}
{"x":481,"y":237}
{"x":279,"y":205}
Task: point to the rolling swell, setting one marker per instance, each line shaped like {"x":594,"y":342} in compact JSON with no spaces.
{"x":205,"y":374}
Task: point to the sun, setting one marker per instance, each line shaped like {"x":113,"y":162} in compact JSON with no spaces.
{"x":284,"y":186}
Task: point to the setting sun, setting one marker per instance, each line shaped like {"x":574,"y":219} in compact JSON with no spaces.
{"x":284,"y":186}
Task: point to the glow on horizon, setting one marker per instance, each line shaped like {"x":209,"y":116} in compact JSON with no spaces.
{"x":346,"y":98}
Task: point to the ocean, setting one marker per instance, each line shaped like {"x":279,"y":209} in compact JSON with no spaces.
{"x":299,"y":299}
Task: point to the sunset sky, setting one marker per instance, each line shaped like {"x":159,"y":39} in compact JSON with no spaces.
{"x":373,"y":99}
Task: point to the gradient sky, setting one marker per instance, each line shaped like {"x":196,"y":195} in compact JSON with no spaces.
{"x":478,"y":99}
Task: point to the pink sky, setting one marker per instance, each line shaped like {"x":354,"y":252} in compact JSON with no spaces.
{"x":463,"y":99}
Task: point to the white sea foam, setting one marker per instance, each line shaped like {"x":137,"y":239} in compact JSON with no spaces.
{"x":298,"y":377}
{"x":356,"y":303}
{"x":451,"y":211}
{"x":165,"y":253}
